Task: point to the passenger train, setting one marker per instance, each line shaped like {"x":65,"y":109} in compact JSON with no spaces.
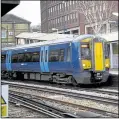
{"x":78,"y":60}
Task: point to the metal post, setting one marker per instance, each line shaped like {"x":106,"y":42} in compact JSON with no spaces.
{"x":7,"y":35}
{"x":62,"y":16}
{"x":14,"y":32}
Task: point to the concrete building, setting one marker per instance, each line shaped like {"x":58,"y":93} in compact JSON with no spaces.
{"x":11,"y":26}
{"x":63,"y":16}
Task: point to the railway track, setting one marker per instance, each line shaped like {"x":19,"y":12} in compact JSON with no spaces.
{"x":104,"y":100}
{"x":37,"y":97}
{"x":99,"y":90}
{"x":40,"y":107}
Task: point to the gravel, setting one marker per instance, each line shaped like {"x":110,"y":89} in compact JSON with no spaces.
{"x":16,"y":111}
{"x":83,"y":102}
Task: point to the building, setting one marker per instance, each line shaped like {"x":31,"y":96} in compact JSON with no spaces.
{"x":11,"y":26}
{"x":28,"y":38}
{"x":63,"y":16}
{"x":8,"y":5}
{"x":114,"y":51}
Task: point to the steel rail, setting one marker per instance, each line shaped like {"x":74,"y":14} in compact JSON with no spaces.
{"x":116,"y":93}
{"x":41,"y":107}
{"x":103,"y":100}
{"x":95,"y":110}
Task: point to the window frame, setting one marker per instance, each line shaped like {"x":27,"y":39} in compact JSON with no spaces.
{"x":58,"y":55}
{"x":12,"y":58}
{"x":21,"y":58}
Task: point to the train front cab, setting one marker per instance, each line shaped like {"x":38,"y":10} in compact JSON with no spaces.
{"x":94,"y":60}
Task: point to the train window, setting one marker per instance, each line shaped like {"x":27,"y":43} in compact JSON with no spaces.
{"x":21,"y":57}
{"x":27,"y":57}
{"x":3,"y":58}
{"x":107,"y":50}
{"x":14,"y":58}
{"x":61,"y":56}
{"x":68,"y":54}
{"x":35,"y":57}
{"x":46,"y":56}
{"x":54,"y":56}
{"x":85,"y":51}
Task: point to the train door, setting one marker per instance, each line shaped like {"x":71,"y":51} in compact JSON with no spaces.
{"x":8,"y":60}
{"x":75,"y":57}
{"x":44,"y":59}
{"x":98,"y":56}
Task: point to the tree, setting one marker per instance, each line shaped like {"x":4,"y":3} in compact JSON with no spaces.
{"x":97,"y":13}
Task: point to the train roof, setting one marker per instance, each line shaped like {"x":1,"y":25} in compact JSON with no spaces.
{"x":51,"y":42}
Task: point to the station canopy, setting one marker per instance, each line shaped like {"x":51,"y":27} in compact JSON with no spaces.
{"x":44,"y":36}
{"x":110,"y":36}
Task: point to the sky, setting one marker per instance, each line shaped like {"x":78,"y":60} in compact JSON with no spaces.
{"x":29,"y":10}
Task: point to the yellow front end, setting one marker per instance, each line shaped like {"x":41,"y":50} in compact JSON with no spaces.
{"x":97,"y":58}
{"x":86,"y":64}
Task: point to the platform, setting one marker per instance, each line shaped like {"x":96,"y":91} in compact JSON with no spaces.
{"x":114,"y":72}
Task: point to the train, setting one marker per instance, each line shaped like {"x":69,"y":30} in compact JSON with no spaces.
{"x":83,"y":59}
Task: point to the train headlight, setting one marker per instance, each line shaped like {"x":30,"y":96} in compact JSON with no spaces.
{"x":84,"y":65}
{"x":107,"y":65}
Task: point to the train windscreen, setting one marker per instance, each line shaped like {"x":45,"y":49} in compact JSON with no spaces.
{"x":85,"y":51}
{"x":107,"y":50}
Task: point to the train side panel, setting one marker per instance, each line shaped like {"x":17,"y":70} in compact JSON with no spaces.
{"x":64,"y":65}
{"x":27,"y":65}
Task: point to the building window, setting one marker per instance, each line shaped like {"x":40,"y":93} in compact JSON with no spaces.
{"x":55,"y":8}
{"x":75,"y":32}
{"x":65,"y":18}
{"x":4,"y":33}
{"x":89,"y":30}
{"x":115,"y":48}
{"x":76,"y":15}
{"x":10,"y":33}
{"x":113,"y":27}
